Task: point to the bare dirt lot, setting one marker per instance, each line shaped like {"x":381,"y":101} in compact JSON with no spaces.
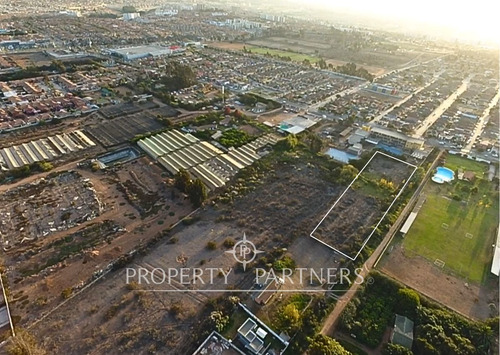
{"x":471,"y":300}
{"x":110,"y":318}
{"x":46,"y":206}
{"x":43,"y":272}
{"x":350,"y":221}
{"x":228,"y":45}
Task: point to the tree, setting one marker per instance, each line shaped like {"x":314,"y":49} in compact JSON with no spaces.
{"x":407,"y":302}
{"x":322,"y":64}
{"x":315,"y":143}
{"x":182,"y":180}
{"x":288,"y":318}
{"x":289,"y":143}
{"x":395,"y":349}
{"x":324,"y":345}
{"x":128,"y":9}
{"x":219,"y":320}
{"x":347,"y":174}
{"x":197,"y":192}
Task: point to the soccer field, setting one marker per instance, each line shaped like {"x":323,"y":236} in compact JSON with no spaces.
{"x":460,"y":233}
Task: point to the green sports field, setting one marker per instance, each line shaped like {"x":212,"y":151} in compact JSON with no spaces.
{"x":296,"y":57}
{"x":464,"y":243}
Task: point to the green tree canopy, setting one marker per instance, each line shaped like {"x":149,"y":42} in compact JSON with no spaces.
{"x":197,"y":192}
{"x":395,"y":349}
{"x":288,"y":318}
{"x":182,"y":180}
{"x":324,"y":345}
{"x":407,"y":302}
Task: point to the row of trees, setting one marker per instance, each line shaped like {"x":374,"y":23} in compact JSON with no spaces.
{"x":353,"y":70}
{"x":437,"y":330}
{"x":250,"y":99}
{"x":178,"y":76}
{"x":195,"y":189}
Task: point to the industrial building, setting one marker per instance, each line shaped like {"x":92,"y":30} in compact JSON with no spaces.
{"x":45,"y":149}
{"x":392,"y":138}
{"x":140,"y":52}
{"x":175,"y":150}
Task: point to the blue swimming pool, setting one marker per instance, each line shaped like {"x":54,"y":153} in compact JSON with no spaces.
{"x":443,"y":175}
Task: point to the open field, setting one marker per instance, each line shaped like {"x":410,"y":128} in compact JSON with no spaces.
{"x":352,"y":219}
{"x":297,"y":57}
{"x":137,"y":205}
{"x":464,"y":242}
{"x":298,"y":54}
{"x":274,"y":214}
{"x":447,"y":252}
{"x":455,"y":162}
{"x":113,"y":111}
{"x":472,"y":300}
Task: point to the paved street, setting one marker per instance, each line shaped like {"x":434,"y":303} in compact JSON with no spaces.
{"x":480,"y":124}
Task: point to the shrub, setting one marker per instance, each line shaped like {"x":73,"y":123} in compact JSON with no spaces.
{"x":173,"y":240}
{"x":284,"y":263}
{"x":211,"y":245}
{"x":66,"y":293}
{"x":132,"y":285}
{"x":229,"y":243}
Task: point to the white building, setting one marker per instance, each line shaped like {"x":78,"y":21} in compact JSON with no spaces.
{"x":131,"y":15}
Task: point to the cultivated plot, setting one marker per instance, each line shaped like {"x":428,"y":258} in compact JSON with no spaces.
{"x":122,"y":129}
{"x":354,"y":217}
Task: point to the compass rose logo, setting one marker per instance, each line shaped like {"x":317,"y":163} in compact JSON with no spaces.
{"x":244,"y":251}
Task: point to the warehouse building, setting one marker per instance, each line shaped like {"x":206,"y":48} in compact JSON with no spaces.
{"x":140,"y":52}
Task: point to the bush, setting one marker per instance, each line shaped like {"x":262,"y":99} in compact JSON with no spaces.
{"x":132,"y":285}
{"x":395,"y":349}
{"x":211,"y":245}
{"x":284,"y":263}
{"x":229,"y":243}
{"x":190,"y":220}
{"x":173,"y":240}
{"x":66,"y":293}
{"x":407,"y":303}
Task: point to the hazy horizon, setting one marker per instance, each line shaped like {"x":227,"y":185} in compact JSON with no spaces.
{"x":475,"y":20}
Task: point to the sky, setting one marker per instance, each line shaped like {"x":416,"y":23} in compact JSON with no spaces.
{"x":478,"y":18}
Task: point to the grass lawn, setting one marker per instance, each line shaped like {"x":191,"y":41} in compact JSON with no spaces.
{"x":475,"y":213}
{"x":297,"y":57}
{"x":455,"y":162}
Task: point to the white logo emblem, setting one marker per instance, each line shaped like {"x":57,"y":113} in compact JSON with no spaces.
{"x":244,"y":251}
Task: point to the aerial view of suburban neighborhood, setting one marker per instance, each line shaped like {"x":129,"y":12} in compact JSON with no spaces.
{"x":249,"y":177}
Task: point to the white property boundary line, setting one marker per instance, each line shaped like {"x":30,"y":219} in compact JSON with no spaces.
{"x":7,"y":306}
{"x":381,"y":219}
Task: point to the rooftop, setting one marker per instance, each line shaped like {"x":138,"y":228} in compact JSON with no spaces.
{"x":403,"y":331}
{"x":216,"y":344}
